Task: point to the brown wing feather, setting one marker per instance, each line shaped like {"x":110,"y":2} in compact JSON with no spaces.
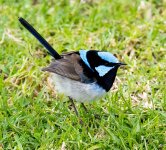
{"x":69,"y":66}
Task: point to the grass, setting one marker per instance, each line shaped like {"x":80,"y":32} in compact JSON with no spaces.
{"x":132,"y":114}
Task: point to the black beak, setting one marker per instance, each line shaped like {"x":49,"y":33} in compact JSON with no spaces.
{"x":122,"y":64}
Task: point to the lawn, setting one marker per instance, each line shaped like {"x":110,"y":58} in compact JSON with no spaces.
{"x":131,"y":116}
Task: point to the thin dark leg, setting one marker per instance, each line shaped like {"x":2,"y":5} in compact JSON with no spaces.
{"x":84,"y":107}
{"x":72,"y":102}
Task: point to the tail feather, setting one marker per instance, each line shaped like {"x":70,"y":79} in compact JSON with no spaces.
{"x":39,"y":38}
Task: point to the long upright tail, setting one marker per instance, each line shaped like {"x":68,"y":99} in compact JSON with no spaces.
{"x":39,"y":38}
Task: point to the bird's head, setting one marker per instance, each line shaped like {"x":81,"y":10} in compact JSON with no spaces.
{"x":103,"y":65}
{"x":99,"y":62}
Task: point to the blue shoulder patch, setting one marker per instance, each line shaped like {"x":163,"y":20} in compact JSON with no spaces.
{"x":84,"y":57}
{"x":108,"y":57}
{"x":102,"y":70}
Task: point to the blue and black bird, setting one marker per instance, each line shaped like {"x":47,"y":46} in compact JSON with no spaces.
{"x":83,"y":75}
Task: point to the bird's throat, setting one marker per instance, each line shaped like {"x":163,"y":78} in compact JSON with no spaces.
{"x":107,"y":81}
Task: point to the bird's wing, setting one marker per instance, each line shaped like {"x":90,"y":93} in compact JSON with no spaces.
{"x":69,"y":66}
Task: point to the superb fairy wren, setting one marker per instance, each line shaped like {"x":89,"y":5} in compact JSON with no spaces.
{"x":83,"y":75}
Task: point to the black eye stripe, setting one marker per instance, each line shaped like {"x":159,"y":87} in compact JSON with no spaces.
{"x":94,"y":59}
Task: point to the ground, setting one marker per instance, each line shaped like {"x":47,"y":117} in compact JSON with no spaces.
{"x":131,"y":116}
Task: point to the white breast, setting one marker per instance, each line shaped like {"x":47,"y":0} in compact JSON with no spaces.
{"x":78,"y":91}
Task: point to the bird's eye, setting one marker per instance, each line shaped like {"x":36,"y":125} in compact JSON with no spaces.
{"x":106,"y":63}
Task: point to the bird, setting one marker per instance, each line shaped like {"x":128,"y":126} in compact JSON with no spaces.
{"x":84,"y":75}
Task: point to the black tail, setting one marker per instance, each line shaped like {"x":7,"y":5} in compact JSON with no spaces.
{"x":39,"y":38}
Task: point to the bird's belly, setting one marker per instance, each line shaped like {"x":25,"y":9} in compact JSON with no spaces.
{"x":78,"y":91}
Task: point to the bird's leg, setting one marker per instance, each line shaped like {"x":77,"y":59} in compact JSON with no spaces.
{"x":72,"y":102}
{"x":84,"y":107}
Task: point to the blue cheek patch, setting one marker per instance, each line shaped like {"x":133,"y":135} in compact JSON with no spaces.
{"x":84,"y":57}
{"x":108,"y":57}
{"x":102,"y":70}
